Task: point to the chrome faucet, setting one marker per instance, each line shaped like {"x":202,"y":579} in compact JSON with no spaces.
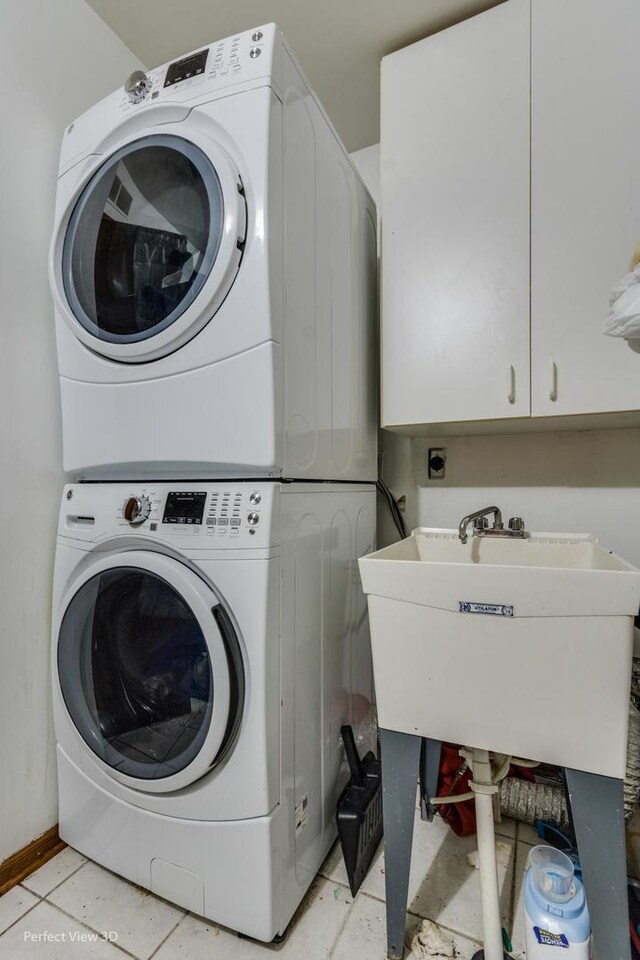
{"x":480,"y":515}
{"x":481,"y":526}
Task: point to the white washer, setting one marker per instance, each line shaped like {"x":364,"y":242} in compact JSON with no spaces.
{"x":201,"y":672}
{"x":213,"y":268}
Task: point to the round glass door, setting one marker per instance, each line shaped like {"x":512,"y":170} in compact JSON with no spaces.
{"x":142,"y":239}
{"x":140,"y":679}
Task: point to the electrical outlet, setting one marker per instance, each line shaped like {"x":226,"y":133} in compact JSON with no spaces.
{"x":437,"y":463}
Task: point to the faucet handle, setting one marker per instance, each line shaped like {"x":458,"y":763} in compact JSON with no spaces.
{"x":480,"y":523}
{"x":516,"y":523}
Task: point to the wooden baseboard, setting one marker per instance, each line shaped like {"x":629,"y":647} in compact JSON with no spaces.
{"x":20,"y":864}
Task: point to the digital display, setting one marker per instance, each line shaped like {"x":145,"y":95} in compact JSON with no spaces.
{"x":191,"y":66}
{"x":184,"y":507}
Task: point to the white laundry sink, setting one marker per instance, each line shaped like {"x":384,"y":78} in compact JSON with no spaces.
{"x":522,"y":646}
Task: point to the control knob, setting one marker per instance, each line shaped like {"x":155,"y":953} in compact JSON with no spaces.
{"x":136,"y":510}
{"x":253,"y":518}
{"x":137,"y":86}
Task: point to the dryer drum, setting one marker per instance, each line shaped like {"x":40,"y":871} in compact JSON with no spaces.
{"x":142,"y":239}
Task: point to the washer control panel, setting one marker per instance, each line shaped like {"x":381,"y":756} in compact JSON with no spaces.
{"x":213,"y":516}
{"x":221,"y":513}
{"x":232,"y":511}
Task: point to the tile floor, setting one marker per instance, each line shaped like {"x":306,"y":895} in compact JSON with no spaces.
{"x":73,"y":901}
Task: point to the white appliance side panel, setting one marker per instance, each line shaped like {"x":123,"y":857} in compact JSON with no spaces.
{"x":585,"y":201}
{"x":322,"y":532}
{"x":363,"y":711}
{"x":455,"y":231}
{"x":234,"y":866}
{"x":220,"y":419}
{"x":303,"y":371}
{"x":330,"y":301}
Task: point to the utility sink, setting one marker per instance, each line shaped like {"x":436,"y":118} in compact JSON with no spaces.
{"x":521,"y":646}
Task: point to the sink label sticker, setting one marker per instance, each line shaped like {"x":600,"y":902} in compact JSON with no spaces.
{"x":496,"y":609}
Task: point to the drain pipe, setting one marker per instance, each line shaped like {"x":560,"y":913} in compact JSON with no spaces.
{"x":484,"y":789}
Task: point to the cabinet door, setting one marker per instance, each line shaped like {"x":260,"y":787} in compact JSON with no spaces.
{"x":585,"y":200}
{"x":455,"y":229}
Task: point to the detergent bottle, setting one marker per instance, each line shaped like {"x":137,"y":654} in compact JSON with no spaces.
{"x":555,"y":907}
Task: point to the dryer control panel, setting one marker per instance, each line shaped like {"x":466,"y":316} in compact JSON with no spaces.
{"x":246,"y":56}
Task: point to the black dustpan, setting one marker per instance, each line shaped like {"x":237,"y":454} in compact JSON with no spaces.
{"x":359,"y":812}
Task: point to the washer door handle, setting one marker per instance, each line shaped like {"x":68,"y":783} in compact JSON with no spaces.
{"x":236,"y":675}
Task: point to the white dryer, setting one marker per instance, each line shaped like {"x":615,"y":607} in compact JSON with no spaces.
{"x":213,"y":268}
{"x":206,"y":651}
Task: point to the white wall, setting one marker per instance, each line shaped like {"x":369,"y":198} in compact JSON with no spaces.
{"x":57,"y":59}
{"x":585,"y":481}
{"x":575,"y":482}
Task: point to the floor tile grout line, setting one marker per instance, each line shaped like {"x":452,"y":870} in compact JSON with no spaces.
{"x":20,"y":886}
{"x":411,"y":913}
{"x":44,"y":896}
{"x":417,"y":916}
{"x":172,"y":931}
{"x":340,"y":931}
{"x":22,"y":916}
{"x":87,"y":926}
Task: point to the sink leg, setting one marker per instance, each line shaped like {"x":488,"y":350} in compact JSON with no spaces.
{"x":598,"y":817}
{"x":400,"y":756}
{"x":429,"y":770}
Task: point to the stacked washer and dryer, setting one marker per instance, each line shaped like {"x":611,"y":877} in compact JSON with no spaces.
{"x":213,"y":267}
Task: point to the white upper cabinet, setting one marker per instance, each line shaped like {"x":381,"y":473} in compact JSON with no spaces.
{"x":455,"y":223}
{"x":511,"y":205}
{"x":585,"y":182}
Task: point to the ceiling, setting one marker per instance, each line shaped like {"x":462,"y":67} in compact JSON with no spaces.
{"x":339,"y":43}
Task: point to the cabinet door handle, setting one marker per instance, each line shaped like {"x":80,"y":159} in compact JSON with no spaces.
{"x":553,"y":381}
{"x":511,"y":392}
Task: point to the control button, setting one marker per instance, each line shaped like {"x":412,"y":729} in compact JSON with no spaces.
{"x":223,"y":521}
{"x":255,"y":52}
{"x":137,"y":86}
{"x":212,"y":521}
{"x":136,"y":510}
{"x":257,"y":36}
{"x":235,"y":521}
{"x":253,"y":518}
{"x":255,"y":498}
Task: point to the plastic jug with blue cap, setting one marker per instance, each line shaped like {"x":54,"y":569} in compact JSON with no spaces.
{"x":556,"y":913}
